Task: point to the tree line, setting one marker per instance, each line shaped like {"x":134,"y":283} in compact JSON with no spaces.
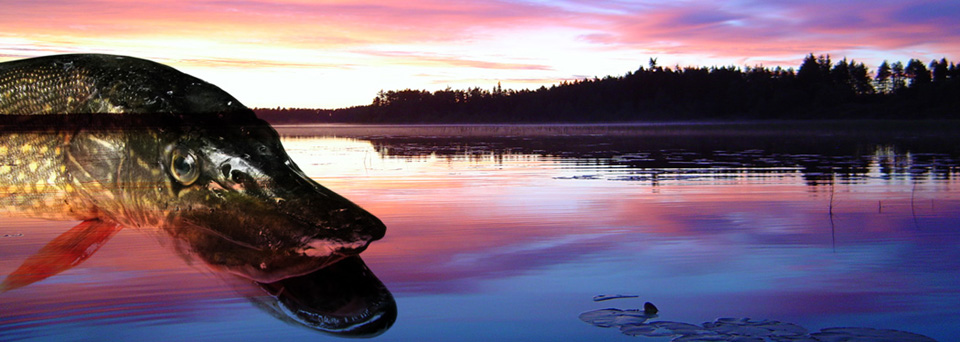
{"x":818,"y":89}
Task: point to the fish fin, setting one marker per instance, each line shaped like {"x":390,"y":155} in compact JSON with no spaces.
{"x":62,"y":253}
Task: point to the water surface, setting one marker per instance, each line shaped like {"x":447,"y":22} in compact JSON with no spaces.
{"x":508,"y":233}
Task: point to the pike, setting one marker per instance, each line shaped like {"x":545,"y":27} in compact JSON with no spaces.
{"x":120,"y":141}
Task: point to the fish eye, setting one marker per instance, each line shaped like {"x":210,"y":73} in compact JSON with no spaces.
{"x":184,"y":166}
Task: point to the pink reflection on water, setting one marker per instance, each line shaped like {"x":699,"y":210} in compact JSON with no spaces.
{"x":130,"y":278}
{"x":462,"y":217}
{"x":461,"y":224}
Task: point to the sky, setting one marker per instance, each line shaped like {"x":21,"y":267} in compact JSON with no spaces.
{"x":332,"y":54}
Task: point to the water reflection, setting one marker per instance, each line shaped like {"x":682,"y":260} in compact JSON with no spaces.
{"x":343,"y":299}
{"x":497,"y":217}
{"x":634,"y":322}
{"x":658,"y":158}
{"x":62,"y":253}
{"x":521,"y":237}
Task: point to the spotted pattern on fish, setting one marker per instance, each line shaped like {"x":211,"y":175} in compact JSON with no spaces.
{"x":32,"y":178}
{"x":141,"y":144}
{"x":33,"y":181}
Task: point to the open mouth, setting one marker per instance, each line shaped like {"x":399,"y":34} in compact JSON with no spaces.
{"x":344,"y":299}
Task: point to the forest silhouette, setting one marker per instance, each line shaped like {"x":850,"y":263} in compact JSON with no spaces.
{"x":818,"y":89}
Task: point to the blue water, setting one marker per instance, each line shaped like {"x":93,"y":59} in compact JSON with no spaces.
{"x":510,"y":236}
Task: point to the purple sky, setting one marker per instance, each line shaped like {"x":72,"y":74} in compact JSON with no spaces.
{"x":340,"y":53}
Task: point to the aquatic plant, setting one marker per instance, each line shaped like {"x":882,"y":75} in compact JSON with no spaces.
{"x":633,"y":322}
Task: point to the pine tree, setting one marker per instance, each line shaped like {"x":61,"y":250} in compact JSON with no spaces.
{"x":860,"y":78}
{"x":898,"y":77}
{"x":918,"y":74}
{"x":883,"y":78}
{"x":940,"y":70}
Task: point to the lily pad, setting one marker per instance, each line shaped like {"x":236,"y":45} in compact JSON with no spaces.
{"x":868,"y":334}
{"x":606,"y":318}
{"x":717,"y":338}
{"x":600,"y":298}
{"x":755,"y":327}
{"x":633,"y":323}
{"x":664,"y":328}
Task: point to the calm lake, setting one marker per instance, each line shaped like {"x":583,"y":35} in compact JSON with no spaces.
{"x":507,"y":233}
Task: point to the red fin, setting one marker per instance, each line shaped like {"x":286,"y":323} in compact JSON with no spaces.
{"x":63,"y":253}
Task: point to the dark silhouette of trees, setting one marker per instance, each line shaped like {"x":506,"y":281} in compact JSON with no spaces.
{"x":861,"y":79}
{"x":939,"y":70}
{"x":917,"y":73}
{"x":898,"y":77}
{"x":885,"y":78}
{"x":812,"y":71}
{"x":819,"y":89}
{"x":294,"y":115}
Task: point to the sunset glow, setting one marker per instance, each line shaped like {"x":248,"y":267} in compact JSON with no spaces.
{"x":328,"y":54}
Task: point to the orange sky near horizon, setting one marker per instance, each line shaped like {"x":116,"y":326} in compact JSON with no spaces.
{"x":329,"y":54}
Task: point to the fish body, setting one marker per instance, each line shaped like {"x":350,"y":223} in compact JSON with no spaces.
{"x":126,"y":140}
{"x":32,"y":183}
{"x":96,"y":83}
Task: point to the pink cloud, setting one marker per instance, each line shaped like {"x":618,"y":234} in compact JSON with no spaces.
{"x":751,"y":29}
{"x":295,"y":23}
{"x":426,"y":59}
{"x":773,"y":31}
{"x":544,"y":42}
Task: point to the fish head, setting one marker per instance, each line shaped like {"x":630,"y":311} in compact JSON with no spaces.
{"x":241,"y":203}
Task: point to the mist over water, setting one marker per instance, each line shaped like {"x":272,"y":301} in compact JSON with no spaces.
{"x":508,"y":232}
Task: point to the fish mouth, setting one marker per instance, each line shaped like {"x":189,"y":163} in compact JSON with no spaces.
{"x":325,"y":247}
{"x":280,"y":268}
{"x":259,"y":261}
{"x":345,"y":299}
{"x":273,"y":266}
{"x":267,"y":266}
{"x":268,"y":243}
{"x":318,"y":254}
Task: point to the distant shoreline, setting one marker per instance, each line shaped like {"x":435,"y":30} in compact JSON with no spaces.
{"x":948,"y":128}
{"x":818,"y":90}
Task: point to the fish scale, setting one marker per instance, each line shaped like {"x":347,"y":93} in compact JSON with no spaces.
{"x":53,"y":89}
{"x":32,"y":178}
{"x":117,"y":139}
{"x":32,"y":181}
